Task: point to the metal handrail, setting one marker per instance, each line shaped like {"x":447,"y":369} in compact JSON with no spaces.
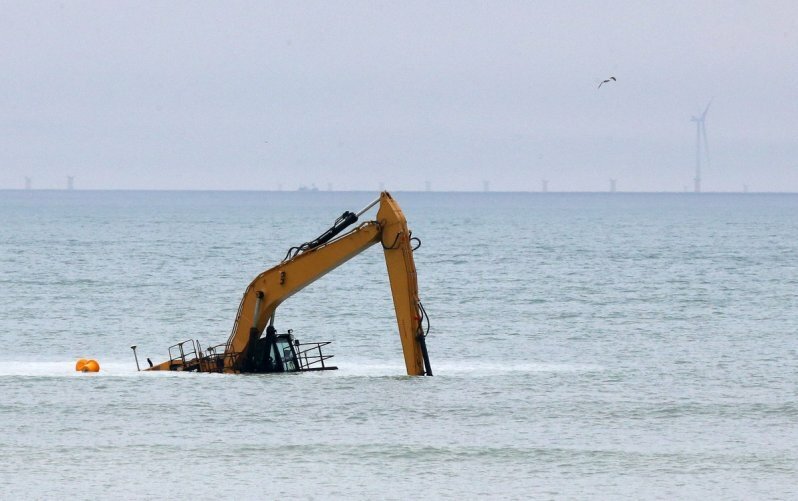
{"x":183,"y":353}
{"x":306,"y":360}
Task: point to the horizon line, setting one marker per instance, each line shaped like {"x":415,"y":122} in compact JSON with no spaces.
{"x":538,"y":192}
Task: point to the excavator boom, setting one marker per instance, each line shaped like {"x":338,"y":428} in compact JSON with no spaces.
{"x":244,"y":350}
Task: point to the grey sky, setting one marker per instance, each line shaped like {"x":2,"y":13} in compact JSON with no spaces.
{"x":253,"y":95}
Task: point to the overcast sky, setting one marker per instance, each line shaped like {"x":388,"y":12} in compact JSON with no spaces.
{"x":263,"y":95}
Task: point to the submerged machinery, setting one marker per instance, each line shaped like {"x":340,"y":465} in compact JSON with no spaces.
{"x":255,"y":346}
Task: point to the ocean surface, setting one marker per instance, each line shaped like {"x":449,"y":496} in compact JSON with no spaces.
{"x":608,"y":346}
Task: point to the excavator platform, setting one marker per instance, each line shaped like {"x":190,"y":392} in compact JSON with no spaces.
{"x":254,"y":346}
{"x":272,"y":353}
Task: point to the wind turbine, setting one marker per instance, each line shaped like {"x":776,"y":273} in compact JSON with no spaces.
{"x":700,"y":137}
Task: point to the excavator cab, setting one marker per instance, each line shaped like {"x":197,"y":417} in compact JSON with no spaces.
{"x":275,"y":352}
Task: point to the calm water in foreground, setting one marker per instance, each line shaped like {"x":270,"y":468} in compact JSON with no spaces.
{"x":584,"y":346}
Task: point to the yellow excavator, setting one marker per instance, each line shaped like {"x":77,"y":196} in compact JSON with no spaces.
{"x":254,"y":346}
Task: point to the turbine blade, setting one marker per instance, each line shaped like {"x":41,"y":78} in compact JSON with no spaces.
{"x":707,"y":109}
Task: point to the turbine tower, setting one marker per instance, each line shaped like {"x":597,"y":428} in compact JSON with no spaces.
{"x":700,"y":138}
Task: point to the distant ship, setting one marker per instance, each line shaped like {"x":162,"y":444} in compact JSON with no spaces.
{"x":305,"y":188}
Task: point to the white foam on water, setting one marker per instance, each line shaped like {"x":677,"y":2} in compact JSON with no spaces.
{"x":488,"y":368}
{"x":460,"y":368}
{"x":370,"y":368}
{"x":64,"y":368}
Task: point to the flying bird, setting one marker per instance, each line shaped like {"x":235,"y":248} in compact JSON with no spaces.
{"x":605,"y":81}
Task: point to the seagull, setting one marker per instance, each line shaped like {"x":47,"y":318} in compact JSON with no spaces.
{"x":605,"y":81}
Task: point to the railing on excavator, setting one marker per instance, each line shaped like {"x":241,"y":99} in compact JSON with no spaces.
{"x":311,"y":358}
{"x":192,"y":359}
{"x":180,"y":356}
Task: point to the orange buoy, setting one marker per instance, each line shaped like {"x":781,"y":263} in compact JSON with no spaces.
{"x":91,"y":366}
{"x":87,"y":365}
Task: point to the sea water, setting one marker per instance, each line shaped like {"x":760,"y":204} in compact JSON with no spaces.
{"x":583,"y":345}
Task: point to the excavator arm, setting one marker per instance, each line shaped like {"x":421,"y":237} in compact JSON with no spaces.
{"x":396,"y":242}
{"x":309,"y":262}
